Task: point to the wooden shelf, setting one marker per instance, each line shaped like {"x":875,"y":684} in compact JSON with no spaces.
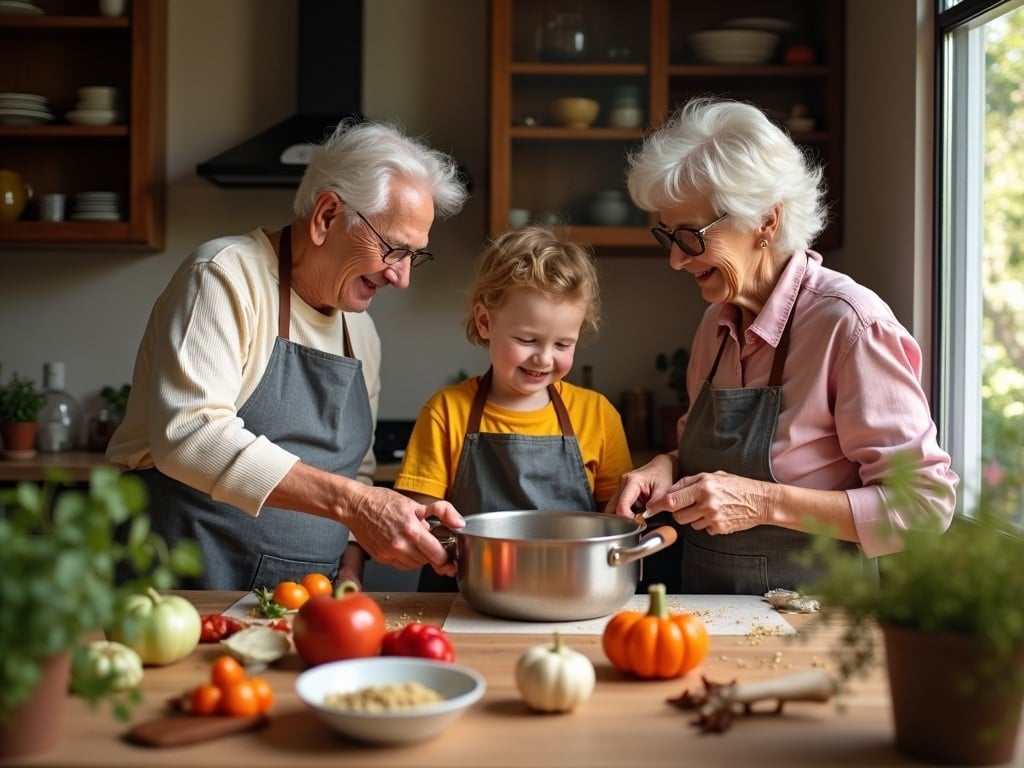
{"x":53,"y":55}
{"x":554,"y":171}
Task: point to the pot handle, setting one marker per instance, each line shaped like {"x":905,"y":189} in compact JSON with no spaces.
{"x":444,"y":535}
{"x":653,"y":541}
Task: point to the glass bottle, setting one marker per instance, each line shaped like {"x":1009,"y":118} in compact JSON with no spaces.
{"x":60,"y":418}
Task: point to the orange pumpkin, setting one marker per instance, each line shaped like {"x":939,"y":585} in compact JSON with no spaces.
{"x":656,"y":644}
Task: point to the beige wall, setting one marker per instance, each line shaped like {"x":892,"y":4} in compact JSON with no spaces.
{"x":231,"y":72}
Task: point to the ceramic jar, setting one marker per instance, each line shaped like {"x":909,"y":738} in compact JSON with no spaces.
{"x":625,"y":110}
{"x":609,"y":208}
{"x":563,"y":37}
{"x":14,"y":195}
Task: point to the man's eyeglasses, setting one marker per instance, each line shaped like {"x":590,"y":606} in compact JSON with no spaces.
{"x":392,"y":255}
{"x":690,"y":241}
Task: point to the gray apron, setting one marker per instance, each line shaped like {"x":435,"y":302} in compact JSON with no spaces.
{"x":732,"y":430}
{"x":509,"y":471}
{"x":309,"y":402}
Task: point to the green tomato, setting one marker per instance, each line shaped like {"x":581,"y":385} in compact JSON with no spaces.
{"x":106,"y":659}
{"x":162,"y":629}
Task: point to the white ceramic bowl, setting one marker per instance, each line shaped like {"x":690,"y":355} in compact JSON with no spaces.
{"x":460,"y":686}
{"x":575,"y":111}
{"x":734,"y":46}
{"x":92,"y":116}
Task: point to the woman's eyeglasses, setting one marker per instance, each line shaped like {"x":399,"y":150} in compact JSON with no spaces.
{"x":690,"y":241}
{"x":392,"y":255}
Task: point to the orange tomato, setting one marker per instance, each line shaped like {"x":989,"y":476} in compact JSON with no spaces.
{"x":225,"y":671}
{"x":240,"y":700}
{"x":317,"y":584}
{"x":656,"y":644}
{"x":205,"y":699}
{"x":290,"y":595}
{"x":264,"y":693}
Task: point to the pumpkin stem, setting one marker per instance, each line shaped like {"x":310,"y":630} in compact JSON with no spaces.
{"x":155,"y":596}
{"x":659,"y":605}
{"x":557,"y":647}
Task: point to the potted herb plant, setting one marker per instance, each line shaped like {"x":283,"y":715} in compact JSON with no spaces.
{"x":949,"y":611}
{"x":102,"y":423}
{"x":59,"y":554}
{"x":20,"y":403}
{"x":675,"y":365}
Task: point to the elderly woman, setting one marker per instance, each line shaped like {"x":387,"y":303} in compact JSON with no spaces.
{"x":804,"y":385}
{"x":256,"y":385}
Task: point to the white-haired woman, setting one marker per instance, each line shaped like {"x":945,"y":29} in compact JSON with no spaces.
{"x":255,"y":390}
{"x":804,"y":385}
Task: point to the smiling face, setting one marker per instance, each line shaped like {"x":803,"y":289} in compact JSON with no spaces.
{"x":731,"y":269}
{"x":345,"y":269}
{"x":532,"y":341}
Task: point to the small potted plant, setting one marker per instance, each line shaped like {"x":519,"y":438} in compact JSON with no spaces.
{"x":20,"y":403}
{"x":949,"y":611}
{"x":675,"y":365}
{"x":59,"y":556}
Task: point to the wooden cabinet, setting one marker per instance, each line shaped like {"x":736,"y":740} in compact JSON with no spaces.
{"x":53,"y":54}
{"x":643,"y":46}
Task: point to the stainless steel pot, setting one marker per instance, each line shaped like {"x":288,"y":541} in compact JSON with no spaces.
{"x":538,"y":565}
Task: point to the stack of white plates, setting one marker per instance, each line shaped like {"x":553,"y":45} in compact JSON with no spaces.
{"x":97,"y":105}
{"x":734,"y":46}
{"x":24,"y":109}
{"x":19,"y":8}
{"x":97,"y":206}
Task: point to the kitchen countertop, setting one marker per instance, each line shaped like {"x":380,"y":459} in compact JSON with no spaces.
{"x":626,"y":721}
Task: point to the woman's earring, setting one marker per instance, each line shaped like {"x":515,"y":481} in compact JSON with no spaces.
{"x":763,"y":243}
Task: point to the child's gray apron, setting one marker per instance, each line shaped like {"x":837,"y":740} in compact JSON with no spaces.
{"x":309,"y":402}
{"x":732,"y":430}
{"x":509,"y":471}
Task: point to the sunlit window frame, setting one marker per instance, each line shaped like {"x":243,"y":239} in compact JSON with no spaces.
{"x":959,"y":177}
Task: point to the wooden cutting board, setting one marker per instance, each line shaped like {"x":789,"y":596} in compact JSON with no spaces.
{"x":179,"y":730}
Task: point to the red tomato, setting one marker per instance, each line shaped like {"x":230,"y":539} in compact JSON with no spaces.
{"x":799,"y":54}
{"x":345,"y":625}
{"x":216,"y":627}
{"x":415,"y":639}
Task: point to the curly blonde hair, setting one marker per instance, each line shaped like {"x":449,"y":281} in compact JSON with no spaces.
{"x":535,"y":257}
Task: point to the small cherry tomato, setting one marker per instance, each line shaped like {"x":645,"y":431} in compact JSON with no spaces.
{"x":290,"y":595}
{"x":225,"y":671}
{"x":317,"y":584}
{"x":205,"y":699}
{"x":264,"y":693}
{"x":240,"y":700}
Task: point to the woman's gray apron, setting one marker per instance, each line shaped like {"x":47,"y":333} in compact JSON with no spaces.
{"x":309,"y":402}
{"x":732,"y":430}
{"x":509,"y":471}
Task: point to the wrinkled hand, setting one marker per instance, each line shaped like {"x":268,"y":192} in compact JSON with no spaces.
{"x":718,"y":502}
{"x":393,"y":529}
{"x":639,"y":486}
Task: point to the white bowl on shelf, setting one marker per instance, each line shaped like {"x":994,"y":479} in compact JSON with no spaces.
{"x":734,"y":46}
{"x":92,"y":116}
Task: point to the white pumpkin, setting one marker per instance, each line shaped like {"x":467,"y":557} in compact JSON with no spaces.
{"x":554,"y":678}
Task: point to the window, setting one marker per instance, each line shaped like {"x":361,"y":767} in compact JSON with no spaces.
{"x":980,"y":237}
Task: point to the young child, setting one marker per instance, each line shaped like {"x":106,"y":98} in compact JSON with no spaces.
{"x":519,"y":437}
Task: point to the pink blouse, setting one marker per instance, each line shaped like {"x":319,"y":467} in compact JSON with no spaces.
{"x":851,"y":395}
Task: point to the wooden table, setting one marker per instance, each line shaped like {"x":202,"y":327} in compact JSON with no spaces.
{"x":626,"y":721}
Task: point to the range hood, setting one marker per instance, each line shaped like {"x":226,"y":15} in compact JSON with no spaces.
{"x":329,"y":88}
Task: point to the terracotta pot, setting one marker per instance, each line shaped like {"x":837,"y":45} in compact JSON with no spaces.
{"x":947,"y":704}
{"x":37,"y":724}
{"x":19,"y":436}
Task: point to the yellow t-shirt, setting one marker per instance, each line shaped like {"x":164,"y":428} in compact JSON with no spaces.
{"x":432,"y":455}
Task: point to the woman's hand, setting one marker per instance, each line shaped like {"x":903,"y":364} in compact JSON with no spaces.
{"x":718,"y":502}
{"x":638,"y":487}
